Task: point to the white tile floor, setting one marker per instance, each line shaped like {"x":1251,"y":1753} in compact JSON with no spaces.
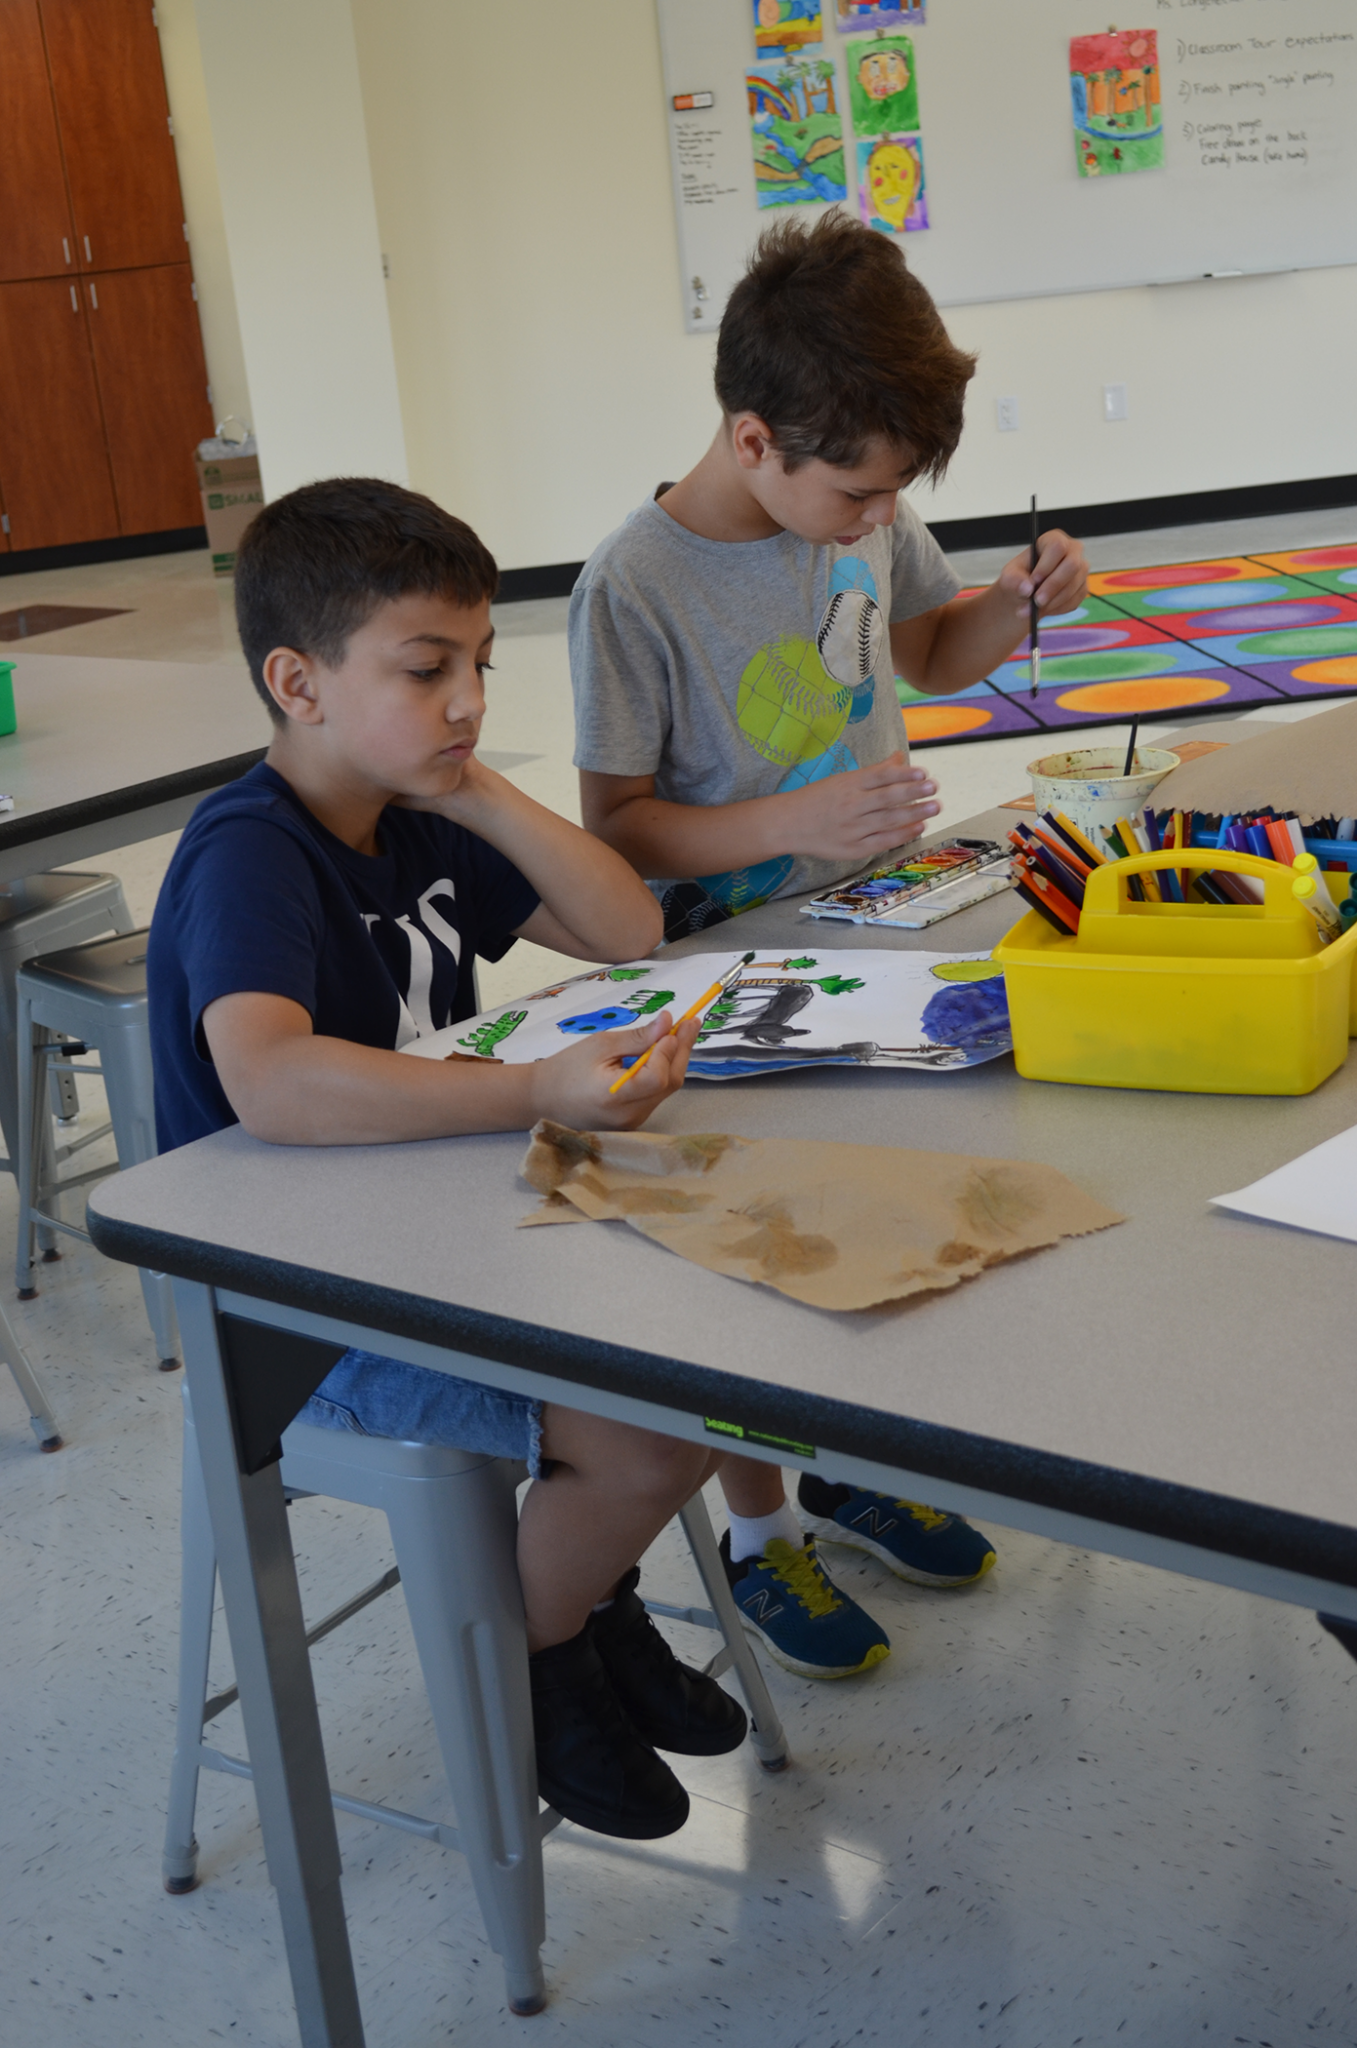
{"x":1082,"y":1803}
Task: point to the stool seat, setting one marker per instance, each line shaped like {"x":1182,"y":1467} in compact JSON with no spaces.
{"x":107,"y":969}
{"x":94,"y":995}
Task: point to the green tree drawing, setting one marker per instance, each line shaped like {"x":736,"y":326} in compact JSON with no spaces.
{"x":483,"y":1040}
{"x":647,"y":1005}
{"x":824,"y":71}
{"x":838,"y":985}
{"x":803,"y":962}
{"x":627,"y":973}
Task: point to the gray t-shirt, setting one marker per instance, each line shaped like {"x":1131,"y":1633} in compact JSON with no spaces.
{"x":731,"y":669}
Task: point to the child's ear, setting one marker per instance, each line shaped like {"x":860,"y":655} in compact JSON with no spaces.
{"x":751,"y":440}
{"x":290,"y":680}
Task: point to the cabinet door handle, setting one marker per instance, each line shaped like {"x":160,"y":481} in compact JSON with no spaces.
{"x":89,"y":256}
{"x":65,"y":248}
{"x":94,"y":296}
{"x":75,"y":303}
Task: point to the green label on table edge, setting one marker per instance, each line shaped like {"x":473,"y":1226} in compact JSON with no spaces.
{"x":757,"y":1436}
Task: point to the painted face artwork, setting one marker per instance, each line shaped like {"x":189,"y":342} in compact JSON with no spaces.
{"x":882,"y":73}
{"x":893,"y":176}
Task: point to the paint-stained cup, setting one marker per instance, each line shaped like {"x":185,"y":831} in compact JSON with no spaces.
{"x":1088,"y":786}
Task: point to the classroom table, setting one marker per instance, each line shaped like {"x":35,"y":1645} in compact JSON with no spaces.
{"x":1140,"y":1392}
{"x":108,"y":752}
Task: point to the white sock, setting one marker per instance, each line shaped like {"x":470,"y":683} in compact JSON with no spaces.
{"x":749,"y":1533}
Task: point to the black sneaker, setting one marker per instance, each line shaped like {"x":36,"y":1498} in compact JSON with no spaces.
{"x":670,"y":1704}
{"x":592,"y":1766}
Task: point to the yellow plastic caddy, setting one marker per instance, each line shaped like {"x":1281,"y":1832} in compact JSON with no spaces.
{"x":1208,"y":999}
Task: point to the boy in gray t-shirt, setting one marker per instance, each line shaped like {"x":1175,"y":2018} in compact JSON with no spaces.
{"x":733,"y":649}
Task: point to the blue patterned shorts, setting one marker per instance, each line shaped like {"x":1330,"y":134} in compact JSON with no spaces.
{"x":376,"y":1396}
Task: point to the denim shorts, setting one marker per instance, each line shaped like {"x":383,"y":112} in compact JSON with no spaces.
{"x":376,"y":1396}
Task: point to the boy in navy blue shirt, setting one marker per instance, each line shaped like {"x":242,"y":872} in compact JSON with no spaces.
{"x":327,"y":909}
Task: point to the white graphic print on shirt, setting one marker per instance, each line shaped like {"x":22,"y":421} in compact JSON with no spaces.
{"x":416,"y":1018}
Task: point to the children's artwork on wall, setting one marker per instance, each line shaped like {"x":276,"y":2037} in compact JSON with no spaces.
{"x":853,"y":16}
{"x":891,"y":193}
{"x":783,"y":28}
{"x":798,"y":132}
{"x":824,"y":1007}
{"x":882,"y":91}
{"x":1114,"y":84}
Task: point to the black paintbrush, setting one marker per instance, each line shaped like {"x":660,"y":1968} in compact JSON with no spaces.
{"x":1131,"y":746}
{"x":1032,"y":609}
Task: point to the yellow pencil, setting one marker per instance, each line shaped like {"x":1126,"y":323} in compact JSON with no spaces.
{"x":717,"y":988}
{"x":1135,"y":843}
{"x":1080,"y":839}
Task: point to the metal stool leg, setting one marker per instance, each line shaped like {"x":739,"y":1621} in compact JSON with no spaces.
{"x":39,"y":1412}
{"x":468,"y":1629}
{"x":179,"y":1864}
{"x":765,"y":1730}
{"x":125,"y":1057}
{"x":32,"y":1114}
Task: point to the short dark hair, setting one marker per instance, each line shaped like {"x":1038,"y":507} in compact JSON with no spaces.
{"x":833,"y":342}
{"x":315,"y":565}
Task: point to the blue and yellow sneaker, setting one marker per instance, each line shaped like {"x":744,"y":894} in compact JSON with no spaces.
{"x":915,"y":1542}
{"x":787,"y":1600}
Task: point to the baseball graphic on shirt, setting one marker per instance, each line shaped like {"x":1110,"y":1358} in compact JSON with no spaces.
{"x":849,"y":637}
{"x":789,"y":707}
{"x":852,"y":578}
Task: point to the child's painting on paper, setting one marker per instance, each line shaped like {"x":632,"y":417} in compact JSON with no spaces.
{"x":1114,"y":85}
{"x":883,"y":92}
{"x":891,"y":193}
{"x":783,"y":28}
{"x":797,"y":133}
{"x":839,"y":1007}
{"x":855,"y":15}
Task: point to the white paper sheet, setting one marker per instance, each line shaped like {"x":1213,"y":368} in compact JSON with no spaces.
{"x":820,"y":1006}
{"x":1317,"y":1192}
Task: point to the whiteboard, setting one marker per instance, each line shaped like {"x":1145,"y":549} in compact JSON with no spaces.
{"x":1260,"y":127}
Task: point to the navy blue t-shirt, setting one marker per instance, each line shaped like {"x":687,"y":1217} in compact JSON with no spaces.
{"x":260,"y":898}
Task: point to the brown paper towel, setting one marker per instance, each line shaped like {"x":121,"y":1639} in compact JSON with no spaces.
{"x":836,"y":1226}
{"x":1309,"y":767}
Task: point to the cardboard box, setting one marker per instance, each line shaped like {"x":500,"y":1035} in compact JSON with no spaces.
{"x":232,"y":494}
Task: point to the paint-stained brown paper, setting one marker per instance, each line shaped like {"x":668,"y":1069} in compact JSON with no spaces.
{"x":835,"y":1226}
{"x":1309,"y":767}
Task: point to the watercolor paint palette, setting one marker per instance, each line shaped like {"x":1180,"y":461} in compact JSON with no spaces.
{"x":1233,"y":633}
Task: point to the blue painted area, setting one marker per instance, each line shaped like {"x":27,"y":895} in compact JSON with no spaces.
{"x":970,"y":1014}
{"x":1198,"y":597}
{"x":597,"y":1020}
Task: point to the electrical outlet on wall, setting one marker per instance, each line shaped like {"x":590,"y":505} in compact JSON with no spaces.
{"x":1114,"y":401}
{"x":1006,"y":415}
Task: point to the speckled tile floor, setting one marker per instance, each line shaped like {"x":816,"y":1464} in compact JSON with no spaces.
{"x":1083,"y":1802}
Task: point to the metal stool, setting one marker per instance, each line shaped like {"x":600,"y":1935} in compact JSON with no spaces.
{"x":41,"y":1419}
{"x":90,"y":996}
{"x":39,"y":913}
{"x":454,"y":1525}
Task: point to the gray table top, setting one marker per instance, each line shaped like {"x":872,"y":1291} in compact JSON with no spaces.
{"x":100,"y":738}
{"x":1188,"y":1352}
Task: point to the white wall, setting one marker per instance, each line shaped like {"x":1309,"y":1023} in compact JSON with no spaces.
{"x":521,"y":179}
{"x":187,"y":91}
{"x":521,"y":170}
{"x":286,"y":115}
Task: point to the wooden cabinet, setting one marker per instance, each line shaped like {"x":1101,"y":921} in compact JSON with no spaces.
{"x":148,"y":360}
{"x":103,"y":387}
{"x":114,"y":118}
{"x":54,"y":465}
{"x":37,"y":238}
